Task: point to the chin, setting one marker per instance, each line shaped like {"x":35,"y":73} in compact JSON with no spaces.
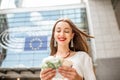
{"x":62,"y":44}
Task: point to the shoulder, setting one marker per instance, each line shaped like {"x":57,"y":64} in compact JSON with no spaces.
{"x":80,"y":56}
{"x":83,"y":54}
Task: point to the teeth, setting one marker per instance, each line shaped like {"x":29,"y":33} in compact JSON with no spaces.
{"x":62,"y":39}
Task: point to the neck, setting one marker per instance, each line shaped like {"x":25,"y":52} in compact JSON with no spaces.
{"x":62,"y":49}
{"x":63,"y":52}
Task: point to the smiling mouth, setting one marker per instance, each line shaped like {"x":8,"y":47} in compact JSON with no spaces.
{"x":61,"y":39}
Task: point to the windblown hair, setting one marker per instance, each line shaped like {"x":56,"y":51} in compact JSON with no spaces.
{"x":79,"y":39}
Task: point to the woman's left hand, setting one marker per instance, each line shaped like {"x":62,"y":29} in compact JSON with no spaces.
{"x":69,"y":73}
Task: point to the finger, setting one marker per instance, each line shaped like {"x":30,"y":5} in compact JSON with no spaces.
{"x":46,"y":73}
{"x":66,"y":68}
{"x":69,"y":76}
{"x":46,"y":70}
{"x":50,"y":76}
{"x":70,"y":73}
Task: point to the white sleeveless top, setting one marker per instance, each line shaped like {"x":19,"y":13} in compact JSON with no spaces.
{"x":83,"y":64}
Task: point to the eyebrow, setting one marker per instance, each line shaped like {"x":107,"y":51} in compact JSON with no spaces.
{"x":67,"y":28}
{"x":60,"y":28}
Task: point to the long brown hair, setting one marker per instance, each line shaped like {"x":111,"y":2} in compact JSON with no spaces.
{"x":79,"y":39}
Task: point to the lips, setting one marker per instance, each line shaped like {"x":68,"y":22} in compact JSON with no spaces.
{"x":61,"y":39}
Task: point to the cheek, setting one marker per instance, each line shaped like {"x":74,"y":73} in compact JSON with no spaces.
{"x":55,"y":35}
{"x":71,"y":36}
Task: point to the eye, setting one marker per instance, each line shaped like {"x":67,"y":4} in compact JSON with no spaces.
{"x":66,"y":31}
{"x":58,"y":30}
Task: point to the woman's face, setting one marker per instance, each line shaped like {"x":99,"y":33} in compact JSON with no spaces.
{"x":63,"y":33}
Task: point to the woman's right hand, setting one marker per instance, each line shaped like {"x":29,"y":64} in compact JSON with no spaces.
{"x":47,"y":74}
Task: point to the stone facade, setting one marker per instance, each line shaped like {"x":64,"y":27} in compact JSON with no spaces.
{"x":105,"y":28}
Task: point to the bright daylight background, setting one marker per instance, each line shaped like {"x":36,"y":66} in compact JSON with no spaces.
{"x":37,"y":3}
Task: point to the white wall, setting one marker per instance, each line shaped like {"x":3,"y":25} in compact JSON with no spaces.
{"x":117,"y":12}
{"x":105,"y":28}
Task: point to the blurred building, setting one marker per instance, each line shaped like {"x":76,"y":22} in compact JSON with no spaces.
{"x":25,"y":31}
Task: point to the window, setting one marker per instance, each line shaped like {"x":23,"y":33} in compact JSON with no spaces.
{"x":34,"y":26}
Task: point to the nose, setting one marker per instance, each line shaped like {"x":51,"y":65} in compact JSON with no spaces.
{"x":61,"y":33}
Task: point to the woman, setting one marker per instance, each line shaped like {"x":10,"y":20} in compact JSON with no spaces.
{"x":70,"y":43}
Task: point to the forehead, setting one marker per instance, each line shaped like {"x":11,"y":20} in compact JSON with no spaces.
{"x":62,"y":25}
